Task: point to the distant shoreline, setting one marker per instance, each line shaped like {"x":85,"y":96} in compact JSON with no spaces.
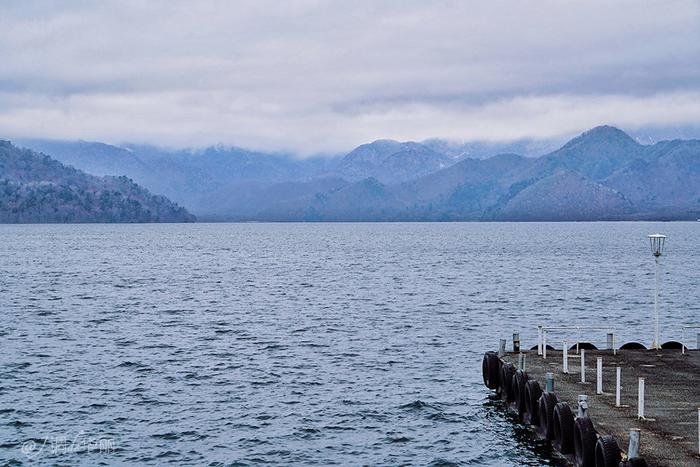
{"x":205,"y":222}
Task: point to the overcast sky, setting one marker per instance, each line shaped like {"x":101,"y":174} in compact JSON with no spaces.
{"x":324,"y":76}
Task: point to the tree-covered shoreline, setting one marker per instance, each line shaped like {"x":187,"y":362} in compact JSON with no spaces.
{"x":34,"y":188}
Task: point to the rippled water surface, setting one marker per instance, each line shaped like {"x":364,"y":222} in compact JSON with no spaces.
{"x":220,"y":344}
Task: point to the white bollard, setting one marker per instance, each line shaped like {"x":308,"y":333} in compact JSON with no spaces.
{"x":599,"y":376}
{"x":582,"y":405}
{"x":617,"y":388}
{"x":640,"y":399}
{"x":583,"y":365}
{"x":578,"y":340}
{"x":565,"y":358}
{"x":539,"y":340}
{"x":633,"y":449}
{"x":544,"y":345}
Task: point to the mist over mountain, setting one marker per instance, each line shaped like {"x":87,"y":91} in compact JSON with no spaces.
{"x":485,"y":149}
{"x":391,"y":162}
{"x":36,"y":188}
{"x":601,"y":174}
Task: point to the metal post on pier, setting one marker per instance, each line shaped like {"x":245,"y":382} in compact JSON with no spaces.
{"x":583,"y":365}
{"x":633,"y":449}
{"x":685,"y":346}
{"x":544,"y":345}
{"x":582,"y":405}
{"x":521,"y":361}
{"x":640,"y":399}
{"x":610,"y":341}
{"x":516,"y":342}
{"x":617,"y":387}
{"x":565,"y":358}
{"x":502,"y":348}
{"x":578,"y":339}
{"x":539,"y":340}
{"x":682,"y":340}
{"x":599,"y":376}
{"x":549,"y":382}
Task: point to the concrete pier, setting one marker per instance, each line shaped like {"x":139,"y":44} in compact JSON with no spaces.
{"x":669,"y":429}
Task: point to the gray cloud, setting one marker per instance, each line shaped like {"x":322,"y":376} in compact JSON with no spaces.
{"x":311,"y":76}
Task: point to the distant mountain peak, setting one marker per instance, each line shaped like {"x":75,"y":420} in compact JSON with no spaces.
{"x":596,"y":153}
{"x":392,"y":161}
{"x":605,"y":129}
{"x":377,"y":144}
{"x":603,"y":134}
{"x":382,"y":141}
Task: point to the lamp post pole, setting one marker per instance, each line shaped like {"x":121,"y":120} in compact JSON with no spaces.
{"x":657,"y":247}
{"x":656,"y":344}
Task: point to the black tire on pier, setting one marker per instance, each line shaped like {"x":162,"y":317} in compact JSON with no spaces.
{"x":546,"y":414}
{"x":584,"y":346}
{"x":584,"y":442}
{"x":533,"y":391}
{"x":519,"y":381}
{"x":490,"y":369}
{"x":506,"y":382}
{"x":632,"y":346}
{"x":563,"y":428}
{"x":535,"y":347}
{"x":607,"y":452}
{"x":485,"y":369}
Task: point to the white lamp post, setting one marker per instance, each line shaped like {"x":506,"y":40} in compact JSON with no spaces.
{"x":656,"y":241}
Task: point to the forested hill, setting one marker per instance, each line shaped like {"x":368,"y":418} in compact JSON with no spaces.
{"x":34,"y":188}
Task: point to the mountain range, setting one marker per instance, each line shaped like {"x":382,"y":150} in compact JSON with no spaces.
{"x":603,"y":174}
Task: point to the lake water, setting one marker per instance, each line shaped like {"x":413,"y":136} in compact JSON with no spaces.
{"x":221,"y":344}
